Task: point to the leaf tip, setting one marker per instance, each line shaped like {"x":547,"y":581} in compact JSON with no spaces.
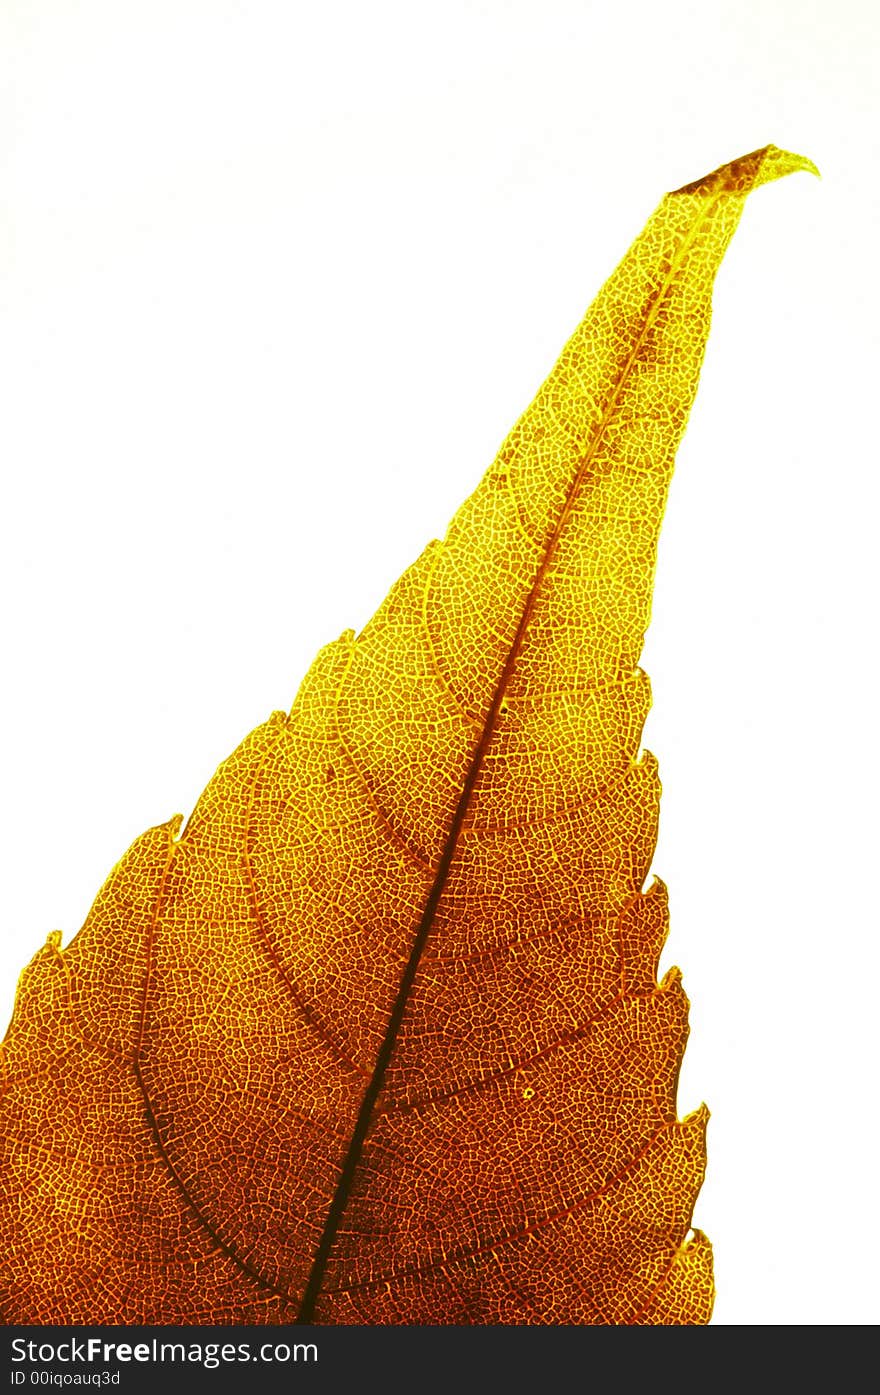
{"x":777,"y":163}
{"x":746,"y":173}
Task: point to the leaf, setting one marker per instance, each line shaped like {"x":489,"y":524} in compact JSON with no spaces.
{"x":377,"y":1038}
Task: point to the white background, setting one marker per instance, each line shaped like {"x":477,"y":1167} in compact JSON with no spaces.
{"x":276,"y":280}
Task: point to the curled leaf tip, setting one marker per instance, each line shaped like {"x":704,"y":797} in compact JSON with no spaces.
{"x":776,"y":163}
{"x":746,"y":173}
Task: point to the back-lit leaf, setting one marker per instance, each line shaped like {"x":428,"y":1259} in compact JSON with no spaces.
{"x":378,"y":1037}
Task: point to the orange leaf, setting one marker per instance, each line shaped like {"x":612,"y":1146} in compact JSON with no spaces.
{"x":378,"y":1038}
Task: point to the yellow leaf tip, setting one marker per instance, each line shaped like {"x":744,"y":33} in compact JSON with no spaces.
{"x":777,"y":163}
{"x":746,"y":173}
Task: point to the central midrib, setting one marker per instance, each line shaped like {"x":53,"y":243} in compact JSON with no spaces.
{"x":395,"y":1019}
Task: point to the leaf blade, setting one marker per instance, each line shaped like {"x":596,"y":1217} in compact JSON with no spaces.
{"x":390,"y":999}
